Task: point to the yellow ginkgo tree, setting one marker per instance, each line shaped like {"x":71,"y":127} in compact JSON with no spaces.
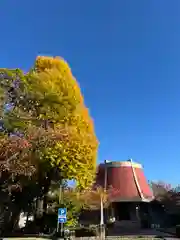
{"x":48,"y":98}
{"x":60,"y":104}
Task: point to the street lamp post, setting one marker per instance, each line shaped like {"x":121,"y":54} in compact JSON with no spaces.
{"x":102,"y":212}
{"x":102,"y":228}
{"x":105,"y":188}
{"x":105,"y":175}
{"x":105,"y":180}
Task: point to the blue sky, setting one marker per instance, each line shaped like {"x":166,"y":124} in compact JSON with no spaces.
{"x":126,"y":56}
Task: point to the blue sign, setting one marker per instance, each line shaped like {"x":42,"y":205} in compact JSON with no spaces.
{"x":62,"y":220}
{"x":62,"y":215}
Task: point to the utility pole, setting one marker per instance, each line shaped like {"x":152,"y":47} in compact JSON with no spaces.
{"x":105,"y":174}
{"x":102,"y":227}
{"x":102,"y":212}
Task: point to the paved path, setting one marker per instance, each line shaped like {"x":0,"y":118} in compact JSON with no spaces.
{"x":145,"y":234}
{"x":149,"y":233}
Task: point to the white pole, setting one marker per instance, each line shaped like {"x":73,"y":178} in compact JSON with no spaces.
{"x":105,"y":183}
{"x":102,"y":212}
{"x":105,"y":176}
{"x":102,"y":229}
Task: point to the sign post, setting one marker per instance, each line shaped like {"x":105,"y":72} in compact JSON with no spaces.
{"x":62,"y":218}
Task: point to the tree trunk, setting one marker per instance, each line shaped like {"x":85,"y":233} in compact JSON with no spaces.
{"x":39,"y":208}
{"x":13,"y":223}
{"x":47,"y":184}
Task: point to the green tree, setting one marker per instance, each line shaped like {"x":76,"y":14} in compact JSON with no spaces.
{"x":75,"y":201}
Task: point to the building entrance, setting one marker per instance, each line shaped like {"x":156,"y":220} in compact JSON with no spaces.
{"x":122,"y":211}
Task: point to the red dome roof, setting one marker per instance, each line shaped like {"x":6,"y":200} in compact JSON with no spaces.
{"x":126,"y":180}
